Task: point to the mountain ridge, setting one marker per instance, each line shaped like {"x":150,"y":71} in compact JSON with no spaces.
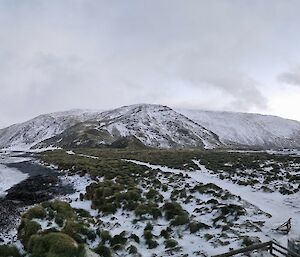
{"x":155,"y":126}
{"x":248,"y":129}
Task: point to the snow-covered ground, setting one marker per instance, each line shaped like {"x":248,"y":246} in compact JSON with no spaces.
{"x":10,"y":176}
{"x":280,"y":207}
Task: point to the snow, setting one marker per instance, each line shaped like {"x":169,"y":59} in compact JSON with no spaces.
{"x":25,"y":135}
{"x":9,"y":177}
{"x":156,"y":126}
{"x":160,"y":126}
{"x":79,"y":183}
{"x":88,"y":156}
{"x":280,"y":207}
{"x":248,"y":129}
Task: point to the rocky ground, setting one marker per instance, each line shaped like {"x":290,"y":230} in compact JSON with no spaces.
{"x":42,"y":184}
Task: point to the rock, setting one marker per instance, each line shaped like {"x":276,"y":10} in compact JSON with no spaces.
{"x":36,"y":189}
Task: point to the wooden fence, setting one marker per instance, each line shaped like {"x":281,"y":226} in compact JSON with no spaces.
{"x":271,"y":247}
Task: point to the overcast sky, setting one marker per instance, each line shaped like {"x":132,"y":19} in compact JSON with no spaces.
{"x":213,"y":54}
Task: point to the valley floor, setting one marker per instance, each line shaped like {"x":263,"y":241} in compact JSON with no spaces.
{"x":280,"y":207}
{"x":171,"y":203}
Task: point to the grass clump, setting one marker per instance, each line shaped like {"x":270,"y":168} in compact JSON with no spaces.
{"x":151,"y":243}
{"x":195,"y":226}
{"x":103,"y":251}
{"x":54,"y":244}
{"x":180,"y":220}
{"x":105,"y":236}
{"x":118,"y":240}
{"x":132,"y":249}
{"x":27,"y":229}
{"x":170,"y":243}
{"x":173,"y":209}
{"x":9,"y":251}
{"x":37,"y":212}
{"x":148,"y":209}
{"x":75,"y":230}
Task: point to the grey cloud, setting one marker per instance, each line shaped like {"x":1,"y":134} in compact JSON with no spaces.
{"x":291,"y":77}
{"x":65,"y":54}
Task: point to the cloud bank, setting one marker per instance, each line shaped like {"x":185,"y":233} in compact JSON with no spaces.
{"x":64,"y":54}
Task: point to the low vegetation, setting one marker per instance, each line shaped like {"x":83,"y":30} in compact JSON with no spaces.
{"x":136,"y":207}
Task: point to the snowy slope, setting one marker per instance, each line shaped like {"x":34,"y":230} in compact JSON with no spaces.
{"x":248,"y":129}
{"x":154,"y":125}
{"x":24,"y":135}
{"x":157,"y":126}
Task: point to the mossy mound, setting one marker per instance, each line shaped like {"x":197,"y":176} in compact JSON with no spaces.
{"x":27,"y":229}
{"x":9,"y":251}
{"x":54,"y":244}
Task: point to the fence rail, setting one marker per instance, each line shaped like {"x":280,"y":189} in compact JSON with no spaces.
{"x":272,"y":247}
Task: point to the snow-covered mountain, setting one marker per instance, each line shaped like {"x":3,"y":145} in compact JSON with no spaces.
{"x":25,"y":135}
{"x":153,"y":125}
{"x":248,"y":129}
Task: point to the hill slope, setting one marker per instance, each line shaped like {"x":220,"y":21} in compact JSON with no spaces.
{"x":25,"y":135}
{"x":248,"y":129}
{"x":153,"y":125}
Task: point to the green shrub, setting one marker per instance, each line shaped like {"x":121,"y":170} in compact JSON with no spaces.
{"x":91,"y":235}
{"x":208,"y":237}
{"x":148,"y":234}
{"x":151,"y":194}
{"x":118,"y":240}
{"x":132,"y":249}
{"x":195,"y":226}
{"x":75,"y":230}
{"x":27,"y":229}
{"x":63,"y":208}
{"x":117,"y":247}
{"x":212,"y":201}
{"x":164,"y":233}
{"x":180,"y":220}
{"x":103,"y":251}
{"x":59,"y":220}
{"x":105,"y":236}
{"x":135,"y":238}
{"x":37,"y":212}
{"x":9,"y":251}
{"x":149,"y":208}
{"x":149,"y":227}
{"x":170,"y":243}
{"x":151,"y":243}
{"x":173,"y":209}
{"x":82,"y":213}
{"x":54,"y":245}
